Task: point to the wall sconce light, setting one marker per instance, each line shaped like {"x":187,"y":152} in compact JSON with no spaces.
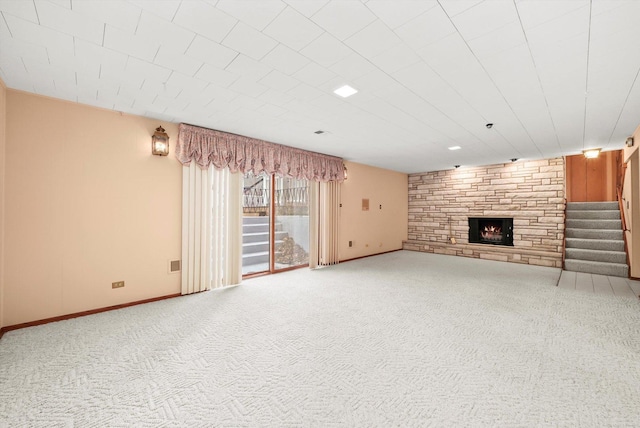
{"x":629,"y":142}
{"x":591,"y":153}
{"x":345,"y":171}
{"x":160,"y":142}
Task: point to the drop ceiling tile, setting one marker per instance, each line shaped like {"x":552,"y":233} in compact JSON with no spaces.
{"x":189,"y":85}
{"x":293,"y":29}
{"x":145,"y":70}
{"x":21,"y":9}
{"x":110,"y":62}
{"x":256,"y":13}
{"x":10,"y":47}
{"x":63,"y":3}
{"x":534,"y":12}
{"x":165,"y":9}
{"x":275,"y":97}
{"x":116,"y":13}
{"x":204,"y":19}
{"x":169,"y":35}
{"x":352,"y":67}
{"x":435,"y":19}
{"x":173,"y":60}
{"x":271,"y":110}
{"x":373,"y":40}
{"x":456,"y":7}
{"x":153,"y":87}
{"x":304,"y":92}
{"x":562,"y":28}
{"x":314,"y":75}
{"x":498,"y":41}
{"x":396,"y":59}
{"x":326,"y":50}
{"x":307,"y":7}
{"x":485,"y":17}
{"x":211,"y":52}
{"x":244,"y":66}
{"x":29,"y":32}
{"x":285,"y":60}
{"x":65,"y":21}
{"x":279,"y":81}
{"x":395,"y":13}
{"x":249,"y":41}
{"x":248,"y":86}
{"x":135,"y":46}
{"x":449,"y":53}
{"x":373,"y":81}
{"x":215,"y":75}
{"x":343,"y":19}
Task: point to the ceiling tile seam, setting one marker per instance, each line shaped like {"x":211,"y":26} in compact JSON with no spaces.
{"x":135,"y":31}
{"x":535,"y":66}
{"x":623,"y":106}
{"x":6,"y":24}
{"x":174,"y":13}
{"x":586,"y":85}
{"x":36,"y":9}
{"x":494,"y":85}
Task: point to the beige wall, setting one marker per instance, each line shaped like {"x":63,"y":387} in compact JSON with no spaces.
{"x":86,"y":204}
{"x":3,"y":127}
{"x":631,"y":203}
{"x":377,"y":230}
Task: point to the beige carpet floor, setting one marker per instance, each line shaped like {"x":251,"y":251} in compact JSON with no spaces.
{"x":402,"y":339}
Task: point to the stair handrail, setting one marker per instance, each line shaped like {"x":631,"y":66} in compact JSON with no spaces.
{"x":623,"y":221}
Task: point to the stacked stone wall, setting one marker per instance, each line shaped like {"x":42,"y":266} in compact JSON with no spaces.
{"x":441,"y":202}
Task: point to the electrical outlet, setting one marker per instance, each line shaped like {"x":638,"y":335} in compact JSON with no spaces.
{"x":117,"y":284}
{"x":350,"y":243}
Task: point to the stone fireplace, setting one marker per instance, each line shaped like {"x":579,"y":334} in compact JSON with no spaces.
{"x":449,"y":211}
{"x":492,"y":231}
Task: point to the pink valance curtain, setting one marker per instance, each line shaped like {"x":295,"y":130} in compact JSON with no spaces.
{"x":238,"y":153}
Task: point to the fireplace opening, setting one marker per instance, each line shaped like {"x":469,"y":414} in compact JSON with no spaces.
{"x":493,"y":231}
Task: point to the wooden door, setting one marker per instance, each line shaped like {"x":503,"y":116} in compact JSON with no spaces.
{"x":592,"y":180}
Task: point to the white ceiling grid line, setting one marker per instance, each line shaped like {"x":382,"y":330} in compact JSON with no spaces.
{"x":430,"y":74}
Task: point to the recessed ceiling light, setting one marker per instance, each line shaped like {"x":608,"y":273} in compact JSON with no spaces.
{"x":489,"y":125}
{"x":456,"y":166}
{"x":455,"y":148}
{"x":319,"y":131}
{"x":345,"y":91}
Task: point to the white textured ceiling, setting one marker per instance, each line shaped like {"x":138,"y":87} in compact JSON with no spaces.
{"x":554,"y":76}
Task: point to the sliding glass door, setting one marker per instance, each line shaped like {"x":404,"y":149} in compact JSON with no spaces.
{"x":291,"y":223}
{"x":275,"y":224}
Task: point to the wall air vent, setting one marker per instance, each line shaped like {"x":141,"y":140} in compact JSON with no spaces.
{"x":174,"y":266}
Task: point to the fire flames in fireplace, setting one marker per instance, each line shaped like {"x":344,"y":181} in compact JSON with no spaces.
{"x":492,"y":233}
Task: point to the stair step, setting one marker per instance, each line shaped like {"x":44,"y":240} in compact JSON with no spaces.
{"x":594,"y":214}
{"x":595,"y":244}
{"x":592,"y":205}
{"x":255,"y":247}
{"x":594,"y":224}
{"x":255,"y":258}
{"x":587,"y":266}
{"x":261,"y":219}
{"x":262,"y":236}
{"x":609,"y":234}
{"x":596,"y":255}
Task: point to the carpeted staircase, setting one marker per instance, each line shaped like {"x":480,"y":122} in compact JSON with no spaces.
{"x":594,"y":242}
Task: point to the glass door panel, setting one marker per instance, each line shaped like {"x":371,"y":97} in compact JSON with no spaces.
{"x":291,"y":223}
{"x":256,"y":224}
